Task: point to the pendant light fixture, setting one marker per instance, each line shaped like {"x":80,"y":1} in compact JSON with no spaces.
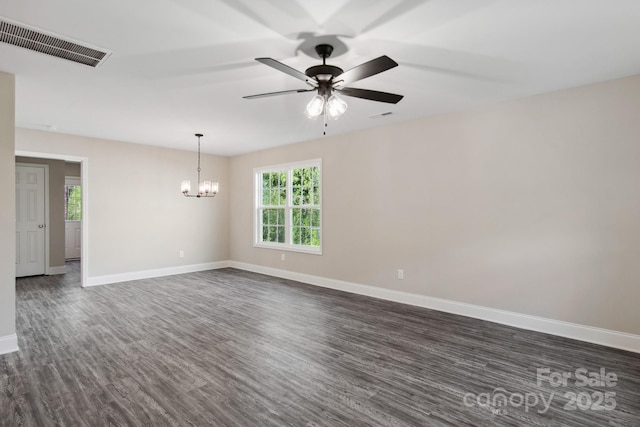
{"x":205,"y":188}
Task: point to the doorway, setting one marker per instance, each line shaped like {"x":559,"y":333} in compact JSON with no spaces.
{"x":84,"y":224}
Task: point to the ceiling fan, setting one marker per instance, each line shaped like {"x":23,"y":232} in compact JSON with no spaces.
{"x":329,"y":79}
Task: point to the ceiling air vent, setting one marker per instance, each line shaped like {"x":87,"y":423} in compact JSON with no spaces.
{"x":381,"y":115}
{"x":34,"y":39}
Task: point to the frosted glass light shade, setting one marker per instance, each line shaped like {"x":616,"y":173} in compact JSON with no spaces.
{"x":335,"y":107}
{"x":186,"y":186}
{"x":315,"y":106}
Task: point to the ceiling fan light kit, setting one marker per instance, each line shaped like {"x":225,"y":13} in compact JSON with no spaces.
{"x":326,"y":80}
{"x":336,"y":107}
{"x":315,"y":107}
{"x":205,"y":188}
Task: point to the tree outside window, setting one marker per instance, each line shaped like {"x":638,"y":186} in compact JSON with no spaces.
{"x":73,"y":203}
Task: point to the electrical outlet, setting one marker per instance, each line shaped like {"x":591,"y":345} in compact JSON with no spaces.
{"x":400,"y":274}
{"x":282,"y":257}
{"x":181,"y":254}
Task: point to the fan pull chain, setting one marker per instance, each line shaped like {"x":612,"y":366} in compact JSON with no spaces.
{"x":325,"y":122}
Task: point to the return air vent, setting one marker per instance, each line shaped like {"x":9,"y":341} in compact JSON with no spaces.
{"x":33,"y":39}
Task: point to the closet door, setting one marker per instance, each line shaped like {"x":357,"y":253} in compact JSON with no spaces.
{"x":30,"y":220}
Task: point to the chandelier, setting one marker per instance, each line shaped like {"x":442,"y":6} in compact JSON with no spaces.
{"x":205,"y":188}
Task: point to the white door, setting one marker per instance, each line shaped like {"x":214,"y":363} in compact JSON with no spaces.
{"x":72,"y":239}
{"x":30,"y":220}
{"x":73,"y":219}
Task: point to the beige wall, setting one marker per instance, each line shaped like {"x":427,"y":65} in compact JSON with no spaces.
{"x":56,"y":207}
{"x":7,"y":207}
{"x":531,"y":206}
{"x":71,"y":169}
{"x":138,"y":219}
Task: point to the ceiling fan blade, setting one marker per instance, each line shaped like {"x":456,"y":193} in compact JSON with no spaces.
{"x":365,"y":70}
{"x":282,"y":92}
{"x":288,"y":70}
{"x":372,"y":95}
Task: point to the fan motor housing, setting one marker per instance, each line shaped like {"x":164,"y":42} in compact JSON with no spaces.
{"x":321,"y":71}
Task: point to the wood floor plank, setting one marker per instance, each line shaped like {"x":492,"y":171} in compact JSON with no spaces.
{"x":234,"y":348}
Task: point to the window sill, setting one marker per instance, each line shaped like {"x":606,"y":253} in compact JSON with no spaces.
{"x":290,"y":248}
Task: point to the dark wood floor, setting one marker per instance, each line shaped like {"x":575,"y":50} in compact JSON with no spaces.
{"x":231,"y":348}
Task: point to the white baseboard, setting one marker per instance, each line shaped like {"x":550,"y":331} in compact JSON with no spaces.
{"x":575,"y":331}
{"x":61,"y":269}
{"x":159,"y":272}
{"x":8,"y":344}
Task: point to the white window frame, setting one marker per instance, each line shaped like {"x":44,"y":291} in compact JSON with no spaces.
{"x":257,"y":193}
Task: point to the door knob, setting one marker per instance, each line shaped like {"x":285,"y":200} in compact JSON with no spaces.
{"x":41,"y":226}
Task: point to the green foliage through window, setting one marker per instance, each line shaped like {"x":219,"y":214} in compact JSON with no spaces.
{"x":274,"y":193}
{"x":305,"y":223}
{"x":273,"y":226}
{"x":73,"y":203}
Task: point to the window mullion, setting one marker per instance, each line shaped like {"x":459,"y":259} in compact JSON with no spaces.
{"x":258,"y":219}
{"x":287,"y":214}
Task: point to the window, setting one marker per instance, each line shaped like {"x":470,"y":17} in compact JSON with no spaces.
{"x":288,"y":208}
{"x":72,"y":200}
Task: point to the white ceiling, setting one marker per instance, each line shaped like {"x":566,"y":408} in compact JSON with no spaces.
{"x":182,"y":66}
